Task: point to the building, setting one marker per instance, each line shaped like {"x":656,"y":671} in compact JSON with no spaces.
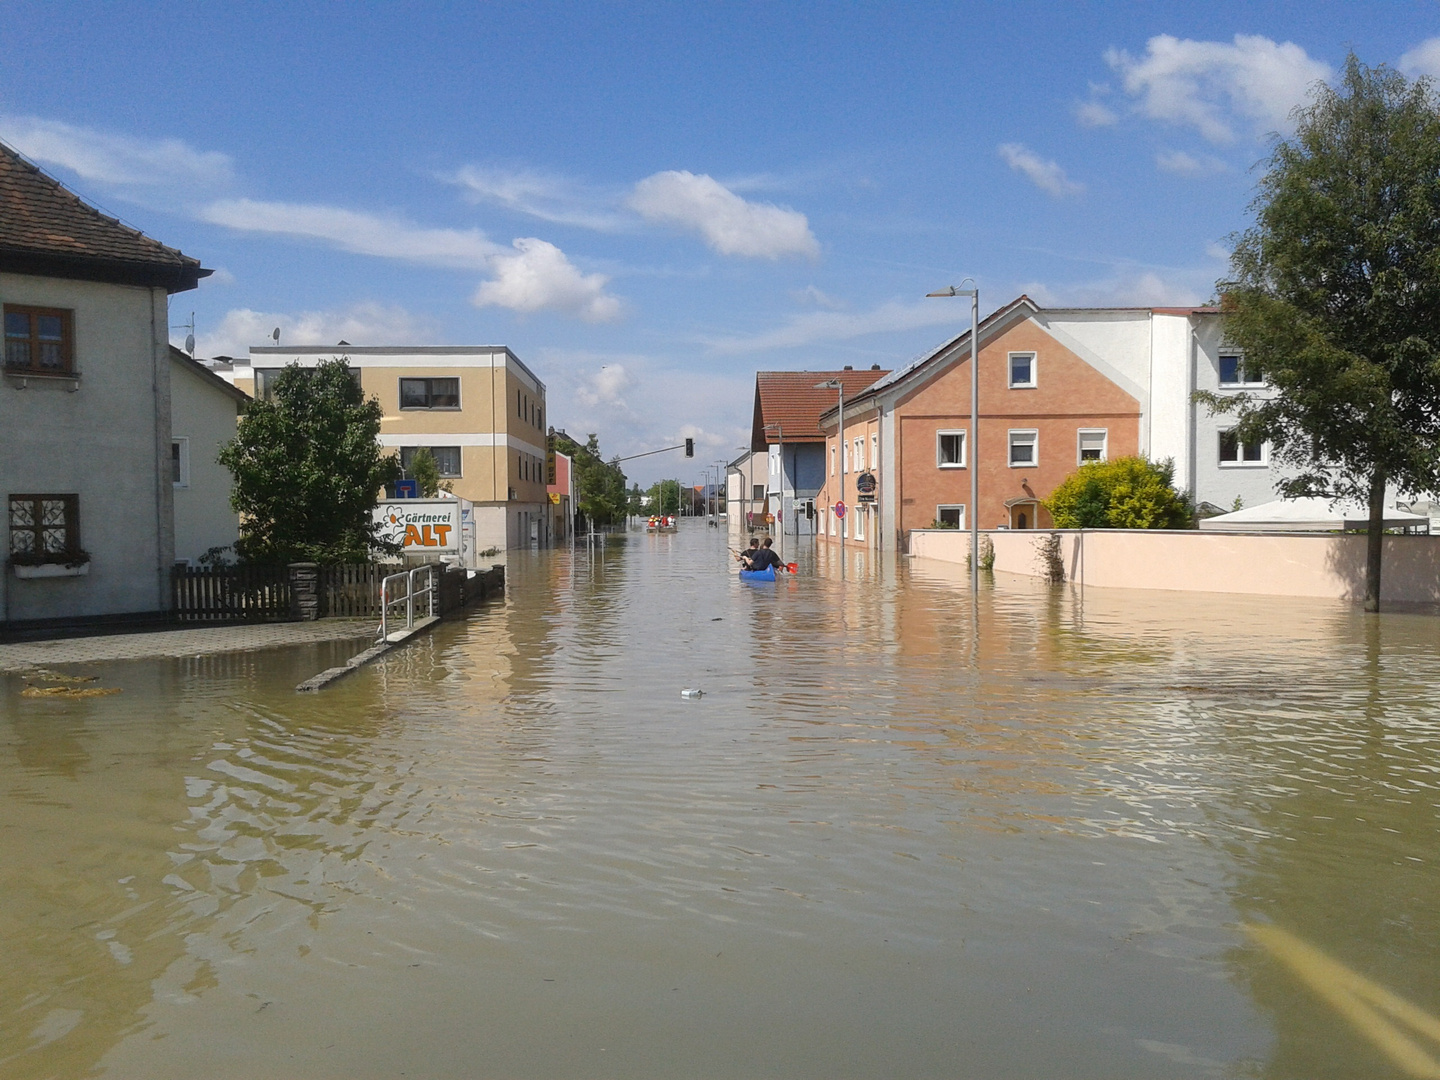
{"x":478,"y":409}
{"x":745,"y":490}
{"x":204,"y":411}
{"x":85,"y":405}
{"x":1058,"y":387}
{"x":561,"y":491}
{"x":786,"y":429}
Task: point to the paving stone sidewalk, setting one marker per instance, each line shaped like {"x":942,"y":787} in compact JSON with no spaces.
{"x":23,"y":656}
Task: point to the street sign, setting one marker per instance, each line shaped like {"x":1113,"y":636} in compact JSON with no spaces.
{"x":407,"y":489}
{"x":840,"y":509}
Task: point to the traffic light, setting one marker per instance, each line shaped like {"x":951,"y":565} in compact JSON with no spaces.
{"x":689,"y":447}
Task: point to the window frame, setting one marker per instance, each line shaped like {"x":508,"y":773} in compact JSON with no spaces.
{"x":66,"y":316}
{"x":413,"y":450}
{"x":1240,"y":462}
{"x":1242,"y":369}
{"x":1080,"y":434}
{"x":430,"y":394}
{"x":180,"y":461}
{"x":1034,"y":369}
{"x":1011,"y":442}
{"x":964,"y":436}
{"x":757,"y":492}
{"x":959,"y":508}
{"x":72,"y":527}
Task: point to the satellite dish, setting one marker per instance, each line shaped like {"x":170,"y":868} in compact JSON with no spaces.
{"x":190,"y":345}
{"x":275,"y":334}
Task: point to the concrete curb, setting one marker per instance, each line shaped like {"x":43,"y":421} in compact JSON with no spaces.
{"x":359,"y":660}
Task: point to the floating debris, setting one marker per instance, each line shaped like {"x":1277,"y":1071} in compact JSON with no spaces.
{"x":691,"y":693}
{"x":46,"y":675}
{"x":68,"y":691}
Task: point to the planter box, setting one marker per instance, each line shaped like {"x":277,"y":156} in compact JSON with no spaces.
{"x":51,"y":570}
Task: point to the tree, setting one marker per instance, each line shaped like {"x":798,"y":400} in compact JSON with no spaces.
{"x":599,"y":485}
{"x":664,"y":497}
{"x":426,"y":472}
{"x":635,"y":502}
{"x":1126,"y":493}
{"x":308,"y":469}
{"x":1335,"y":297}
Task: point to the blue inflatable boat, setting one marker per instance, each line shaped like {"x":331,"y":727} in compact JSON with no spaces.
{"x":768,"y":574}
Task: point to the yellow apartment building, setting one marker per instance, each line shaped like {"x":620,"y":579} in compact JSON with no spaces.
{"x":479,"y":409}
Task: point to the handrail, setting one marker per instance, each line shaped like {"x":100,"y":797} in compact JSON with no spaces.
{"x":409,"y":597}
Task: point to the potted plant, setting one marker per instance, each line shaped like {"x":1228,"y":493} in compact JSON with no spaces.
{"x":40,"y":564}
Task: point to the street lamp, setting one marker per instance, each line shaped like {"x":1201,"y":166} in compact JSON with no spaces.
{"x":839,"y":388}
{"x":972,"y":456}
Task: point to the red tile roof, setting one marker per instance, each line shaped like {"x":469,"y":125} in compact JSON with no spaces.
{"x":45,"y":229}
{"x":788,"y":403}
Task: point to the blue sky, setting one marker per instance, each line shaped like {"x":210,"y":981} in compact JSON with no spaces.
{"x":649,"y":202}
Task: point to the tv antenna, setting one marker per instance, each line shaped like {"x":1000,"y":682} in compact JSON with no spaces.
{"x":190,"y":337}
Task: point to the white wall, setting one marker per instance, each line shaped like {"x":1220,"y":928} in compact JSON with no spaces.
{"x":205,"y":417}
{"x":108,"y":441}
{"x":1252,"y":484}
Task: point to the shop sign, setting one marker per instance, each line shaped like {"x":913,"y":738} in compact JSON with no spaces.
{"x":420,"y":526}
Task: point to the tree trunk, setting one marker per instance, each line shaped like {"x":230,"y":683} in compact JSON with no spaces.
{"x":1375,"y":539}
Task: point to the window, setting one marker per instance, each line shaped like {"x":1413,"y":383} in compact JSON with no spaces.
{"x":757,"y":492}
{"x":1022,"y":369}
{"x":1235,"y":370}
{"x":180,"y":462}
{"x":951,"y":516}
{"x":430,"y":393}
{"x":859,"y":446}
{"x":874,"y":451}
{"x":39,"y":340}
{"x":266,"y":378}
{"x":1023,"y":449}
{"x":860,"y":512}
{"x":44,"y":525}
{"x":447,"y":459}
{"x":1091,"y":444}
{"x":1235,"y":453}
{"x":832,"y":460}
{"x":950,"y":449}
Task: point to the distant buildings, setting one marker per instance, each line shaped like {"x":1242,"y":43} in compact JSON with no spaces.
{"x":87,"y":454}
{"x":786,"y":428}
{"x":479,"y":410}
{"x":204,"y":412}
{"x":1058,"y":387}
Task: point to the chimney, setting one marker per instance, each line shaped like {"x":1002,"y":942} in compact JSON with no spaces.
{"x":849,"y":367}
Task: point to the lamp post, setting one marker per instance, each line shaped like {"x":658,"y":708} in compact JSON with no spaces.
{"x":722,"y":476}
{"x":972,"y":456}
{"x":839,"y":388}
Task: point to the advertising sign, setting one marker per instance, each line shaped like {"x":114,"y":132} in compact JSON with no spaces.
{"x":421,"y":526}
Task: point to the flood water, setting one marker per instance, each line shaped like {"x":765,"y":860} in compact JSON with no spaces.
{"x":880,"y":845}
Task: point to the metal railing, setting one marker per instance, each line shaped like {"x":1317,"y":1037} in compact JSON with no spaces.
{"x":408,"y":598}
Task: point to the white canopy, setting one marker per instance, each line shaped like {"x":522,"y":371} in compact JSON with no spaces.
{"x":1308,"y":515}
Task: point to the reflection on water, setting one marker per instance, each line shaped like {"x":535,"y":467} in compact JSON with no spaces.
{"x":880,"y":845}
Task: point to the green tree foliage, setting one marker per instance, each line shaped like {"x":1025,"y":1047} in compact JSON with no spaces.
{"x":663,"y":497}
{"x":426,"y":472}
{"x":599,"y":484}
{"x":1126,"y":493}
{"x":1336,"y":296}
{"x":308,"y":469}
{"x":635,"y":501}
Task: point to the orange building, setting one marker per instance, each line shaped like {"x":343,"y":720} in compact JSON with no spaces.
{"x":1047,"y":404}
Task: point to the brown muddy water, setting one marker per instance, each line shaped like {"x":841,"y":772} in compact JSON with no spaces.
{"x":1120,"y":835}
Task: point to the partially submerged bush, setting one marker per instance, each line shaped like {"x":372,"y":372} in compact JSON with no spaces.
{"x":1126,"y":493}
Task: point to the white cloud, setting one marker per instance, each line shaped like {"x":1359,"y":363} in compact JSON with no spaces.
{"x":1182,"y":164}
{"x":817,"y":326}
{"x":1093,"y":114}
{"x":351,"y":230}
{"x":116,"y":160}
{"x":359,"y":324}
{"x":1424,"y":59}
{"x":1046,"y":175}
{"x":1211,"y":85}
{"x":730,"y":225}
{"x":1142,"y":289}
{"x":606,"y":387}
{"x":540,"y":195}
{"x":538,"y":276}
{"x":815,"y":297}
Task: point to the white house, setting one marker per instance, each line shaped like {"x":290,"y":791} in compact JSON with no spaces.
{"x":204,"y":411}
{"x":85,"y":409}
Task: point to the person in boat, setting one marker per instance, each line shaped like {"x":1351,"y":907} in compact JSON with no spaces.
{"x":764,"y":559}
{"x":747,"y":556}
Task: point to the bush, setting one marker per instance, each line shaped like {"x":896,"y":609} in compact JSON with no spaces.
{"x":1127,"y":493}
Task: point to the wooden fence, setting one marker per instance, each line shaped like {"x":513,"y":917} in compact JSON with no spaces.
{"x":352,"y":591}
{"x":234,"y":594}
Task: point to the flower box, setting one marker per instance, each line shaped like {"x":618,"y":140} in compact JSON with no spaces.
{"x":50,"y":569}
